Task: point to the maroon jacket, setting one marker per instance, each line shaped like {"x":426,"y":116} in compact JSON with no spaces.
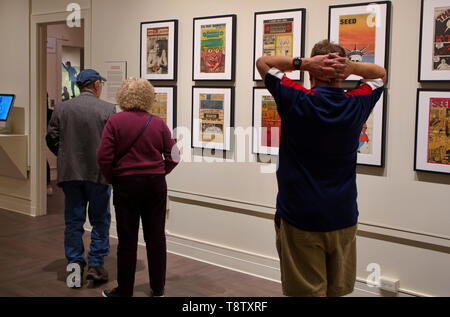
{"x":151,"y":154}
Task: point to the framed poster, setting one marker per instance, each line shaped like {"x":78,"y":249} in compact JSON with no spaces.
{"x":159,"y":42}
{"x":279,"y":33}
{"x":165,"y":105}
{"x":432,"y":148}
{"x":372,"y":137}
{"x":266,"y":123}
{"x":434,"y":60}
{"x":363,"y":30}
{"x":214,"y":48}
{"x":212,"y":117}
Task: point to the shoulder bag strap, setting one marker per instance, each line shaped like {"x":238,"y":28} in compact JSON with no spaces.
{"x":119,"y":157}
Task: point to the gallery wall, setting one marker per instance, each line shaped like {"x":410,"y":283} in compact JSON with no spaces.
{"x":221,"y":212}
{"x":393,"y":200}
{"x":14,"y":79}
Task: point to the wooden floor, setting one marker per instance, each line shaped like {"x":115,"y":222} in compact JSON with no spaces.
{"x":32,"y":263}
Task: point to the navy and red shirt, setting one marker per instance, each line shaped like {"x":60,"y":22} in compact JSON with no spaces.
{"x":320,"y":131}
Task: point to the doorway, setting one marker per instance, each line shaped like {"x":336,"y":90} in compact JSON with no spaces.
{"x":48,"y":49}
{"x":65,"y":60}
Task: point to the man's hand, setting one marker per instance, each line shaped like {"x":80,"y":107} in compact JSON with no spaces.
{"x":326,"y":67}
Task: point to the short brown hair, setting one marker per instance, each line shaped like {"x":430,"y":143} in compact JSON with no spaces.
{"x":136,"y":94}
{"x":326,"y":47}
{"x":84,"y":86}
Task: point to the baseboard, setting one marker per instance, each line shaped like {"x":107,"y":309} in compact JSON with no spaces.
{"x":15,"y":204}
{"x":243,"y":261}
{"x":236,"y":260}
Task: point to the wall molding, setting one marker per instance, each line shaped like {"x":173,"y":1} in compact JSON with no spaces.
{"x":241,"y":261}
{"x":396,"y":235}
{"x":15,"y":204}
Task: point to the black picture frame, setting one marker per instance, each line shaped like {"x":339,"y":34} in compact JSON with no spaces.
{"x":427,"y":39}
{"x":301,"y":40}
{"x":172,"y":42}
{"x":258,"y":149}
{"x":420,"y":165}
{"x":174,"y":117}
{"x":196,"y":67}
{"x":382,"y":145}
{"x":231,"y":118}
{"x":387,"y":33}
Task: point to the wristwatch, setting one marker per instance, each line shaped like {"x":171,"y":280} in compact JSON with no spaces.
{"x":297,"y":63}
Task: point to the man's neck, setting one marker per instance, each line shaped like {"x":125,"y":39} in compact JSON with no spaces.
{"x":316,"y":83}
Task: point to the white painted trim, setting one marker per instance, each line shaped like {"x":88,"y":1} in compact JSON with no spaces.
{"x":37,"y":130}
{"x":15,"y":204}
{"x":396,"y":232}
{"x":233,"y":259}
{"x":238,"y":260}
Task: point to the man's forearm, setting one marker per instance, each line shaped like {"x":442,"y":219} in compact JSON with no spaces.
{"x":265,"y":63}
{"x":368,"y":70}
{"x":321,"y":66}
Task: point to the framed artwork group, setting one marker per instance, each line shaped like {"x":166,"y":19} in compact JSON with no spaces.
{"x":432,"y":144}
{"x":165,"y":105}
{"x":214,"y":45}
{"x":362,"y":29}
{"x":159,"y":44}
{"x":212,"y":117}
{"x":279,"y":33}
{"x":434,"y":60}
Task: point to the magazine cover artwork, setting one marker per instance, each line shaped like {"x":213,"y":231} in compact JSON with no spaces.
{"x":212,"y":118}
{"x":441,"y":52}
{"x":159,"y":107}
{"x":157,"y":54}
{"x":366,"y":137}
{"x":357,"y":34}
{"x":439,"y":131}
{"x":278,"y":37}
{"x":270,"y":123}
{"x":213,"y":39}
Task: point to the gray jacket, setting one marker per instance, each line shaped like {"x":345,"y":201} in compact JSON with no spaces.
{"x":74,"y":134}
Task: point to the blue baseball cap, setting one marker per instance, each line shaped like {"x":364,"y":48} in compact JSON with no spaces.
{"x":89,"y":76}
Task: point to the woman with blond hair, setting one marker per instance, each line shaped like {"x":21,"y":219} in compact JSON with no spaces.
{"x":135,"y":155}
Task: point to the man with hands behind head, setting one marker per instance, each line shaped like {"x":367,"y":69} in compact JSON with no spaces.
{"x":317,"y":212}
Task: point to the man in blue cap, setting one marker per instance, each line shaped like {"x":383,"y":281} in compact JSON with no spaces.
{"x":74,"y":134}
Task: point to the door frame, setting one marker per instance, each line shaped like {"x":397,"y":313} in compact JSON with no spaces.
{"x":38,"y":95}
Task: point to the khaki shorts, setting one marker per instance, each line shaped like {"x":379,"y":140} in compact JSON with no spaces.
{"x":316,"y":263}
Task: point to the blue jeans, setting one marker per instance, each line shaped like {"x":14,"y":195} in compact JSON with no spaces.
{"x":77,"y":196}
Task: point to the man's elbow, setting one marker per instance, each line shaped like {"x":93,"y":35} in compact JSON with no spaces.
{"x":262,"y":66}
{"x":384,"y":77}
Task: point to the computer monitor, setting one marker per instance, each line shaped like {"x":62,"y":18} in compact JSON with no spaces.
{"x":6,"y":103}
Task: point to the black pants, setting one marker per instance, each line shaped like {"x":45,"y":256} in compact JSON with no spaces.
{"x":145,"y":197}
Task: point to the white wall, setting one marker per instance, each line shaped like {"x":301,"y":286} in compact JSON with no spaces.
{"x":392,"y":200}
{"x":232,"y":227}
{"x":14,"y":79}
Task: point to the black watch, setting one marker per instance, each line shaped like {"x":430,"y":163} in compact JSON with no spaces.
{"x":297,"y":63}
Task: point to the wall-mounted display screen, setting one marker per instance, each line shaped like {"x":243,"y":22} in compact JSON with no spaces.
{"x":6,"y":103}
